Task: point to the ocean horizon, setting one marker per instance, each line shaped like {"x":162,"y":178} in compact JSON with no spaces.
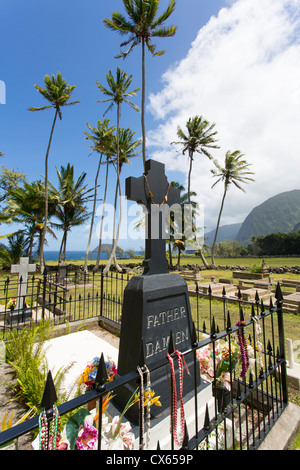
{"x":73,"y":256}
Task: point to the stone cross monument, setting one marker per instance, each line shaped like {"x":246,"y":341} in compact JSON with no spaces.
{"x":23,"y":269}
{"x":157,"y":302}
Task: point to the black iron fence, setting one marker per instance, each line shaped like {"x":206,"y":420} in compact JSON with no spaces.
{"x":243,"y":369}
{"x":75,"y":296}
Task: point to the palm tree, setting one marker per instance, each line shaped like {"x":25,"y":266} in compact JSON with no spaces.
{"x":58,"y":93}
{"x":118,"y":93}
{"x":235,"y":171}
{"x":17,"y":246}
{"x":142,"y":25}
{"x":27,"y":205}
{"x":177,"y":226}
{"x":200,"y":137}
{"x":101,"y":137}
{"x":127,"y":149}
{"x":70,"y":198}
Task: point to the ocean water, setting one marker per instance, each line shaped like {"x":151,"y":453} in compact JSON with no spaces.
{"x":72,"y":255}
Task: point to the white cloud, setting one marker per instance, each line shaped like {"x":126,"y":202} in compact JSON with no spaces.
{"x":242,"y":73}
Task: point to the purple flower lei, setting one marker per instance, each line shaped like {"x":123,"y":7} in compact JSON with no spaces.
{"x":243,"y":349}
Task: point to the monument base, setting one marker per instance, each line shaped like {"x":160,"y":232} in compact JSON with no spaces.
{"x":154,"y":307}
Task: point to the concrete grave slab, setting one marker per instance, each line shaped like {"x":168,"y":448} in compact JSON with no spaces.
{"x":78,"y":348}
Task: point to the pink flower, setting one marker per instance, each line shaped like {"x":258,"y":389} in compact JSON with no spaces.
{"x":123,"y":431}
{"x":87,"y":435}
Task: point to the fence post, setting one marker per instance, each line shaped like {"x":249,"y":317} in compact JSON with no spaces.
{"x":44,"y":293}
{"x":101,"y":292}
{"x":279,"y":298}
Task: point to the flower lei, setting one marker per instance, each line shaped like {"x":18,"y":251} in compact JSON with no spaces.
{"x":180,"y":357}
{"x":148,"y":404}
{"x":54,"y":433}
{"x":243,"y":348}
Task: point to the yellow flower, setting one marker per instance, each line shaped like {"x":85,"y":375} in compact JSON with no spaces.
{"x":153,"y":401}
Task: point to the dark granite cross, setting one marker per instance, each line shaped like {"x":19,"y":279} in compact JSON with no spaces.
{"x":157,"y":195}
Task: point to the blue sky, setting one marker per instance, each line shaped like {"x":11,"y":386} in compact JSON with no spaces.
{"x":237,"y":63}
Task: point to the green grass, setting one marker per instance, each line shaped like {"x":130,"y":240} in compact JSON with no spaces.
{"x":292,"y":321}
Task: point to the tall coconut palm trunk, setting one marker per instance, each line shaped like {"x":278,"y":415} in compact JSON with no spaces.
{"x":102,"y":217}
{"x":93,"y":217}
{"x":43,"y":236}
{"x":113,"y":257}
{"x":217,"y":228}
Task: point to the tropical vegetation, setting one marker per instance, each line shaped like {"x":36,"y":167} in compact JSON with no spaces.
{"x":199,"y":137}
{"x":58,"y":93}
{"x":236,"y":172}
{"x":43,"y":207}
{"x":117,"y":93}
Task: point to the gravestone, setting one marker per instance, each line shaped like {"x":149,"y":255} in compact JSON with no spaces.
{"x":156,"y":302}
{"x":20,"y":312}
{"x":62,"y":273}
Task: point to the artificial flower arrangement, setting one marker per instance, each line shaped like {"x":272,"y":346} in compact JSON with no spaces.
{"x":88,"y":376}
{"x":11,"y":304}
{"x":241,"y":351}
{"x":81,"y":430}
{"x":225,"y":362}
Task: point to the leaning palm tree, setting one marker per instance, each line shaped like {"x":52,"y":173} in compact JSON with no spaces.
{"x":101,"y":137}
{"x":71,"y":197}
{"x":235,"y":171}
{"x":199,"y":138}
{"x":142,"y":25}
{"x":127,"y":149}
{"x":118,"y":93}
{"x":57,"y":93}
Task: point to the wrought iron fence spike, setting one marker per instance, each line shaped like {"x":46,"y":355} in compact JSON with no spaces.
{"x":171,"y":347}
{"x":185,"y":443}
{"x":101,"y":376}
{"x":250,"y":380}
{"x":213,"y":328}
{"x":278,"y":294}
{"x":242,"y":318}
{"x":194,"y":334}
{"x":206,"y":419}
{"x":228,"y":322}
{"x":49,"y":396}
{"x":239,"y":294}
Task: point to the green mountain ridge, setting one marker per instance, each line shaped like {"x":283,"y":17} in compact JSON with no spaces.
{"x":225,"y":233}
{"x":280,"y":213}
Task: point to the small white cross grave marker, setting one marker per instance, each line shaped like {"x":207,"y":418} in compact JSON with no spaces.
{"x":23,"y":269}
